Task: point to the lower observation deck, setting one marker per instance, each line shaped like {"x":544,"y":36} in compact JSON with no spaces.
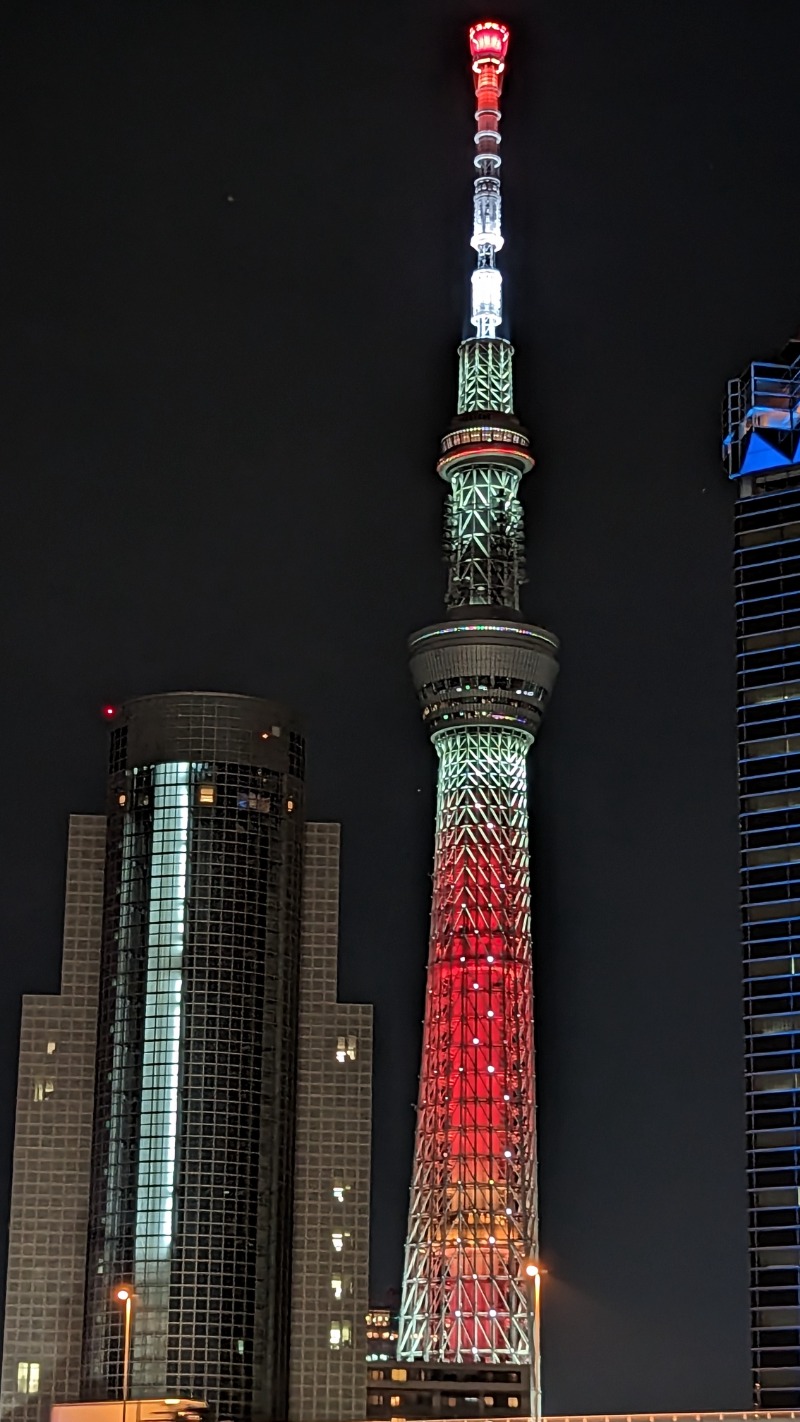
{"x":483,"y":669}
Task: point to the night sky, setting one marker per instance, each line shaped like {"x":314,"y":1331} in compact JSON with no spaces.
{"x":235,"y":270}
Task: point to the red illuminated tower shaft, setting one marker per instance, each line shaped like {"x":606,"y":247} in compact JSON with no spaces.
{"x":483,"y":676}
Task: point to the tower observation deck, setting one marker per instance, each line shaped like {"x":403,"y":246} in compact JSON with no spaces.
{"x":483,"y":676}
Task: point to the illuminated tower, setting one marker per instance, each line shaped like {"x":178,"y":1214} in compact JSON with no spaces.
{"x":483,"y":676}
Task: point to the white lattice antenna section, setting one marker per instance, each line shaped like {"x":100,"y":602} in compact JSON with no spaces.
{"x":488,"y":44}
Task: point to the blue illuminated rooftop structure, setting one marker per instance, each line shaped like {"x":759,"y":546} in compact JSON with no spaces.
{"x":761,"y":416}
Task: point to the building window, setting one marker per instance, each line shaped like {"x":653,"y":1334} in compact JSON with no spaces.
{"x":346,"y":1048}
{"x":338,"y":1239}
{"x":399,"y":1375}
{"x":41,"y":1089}
{"x":28,"y":1377}
{"x":394,"y":1401}
{"x":337,"y":1286}
{"x":51,"y":1046}
{"x":206,"y":795}
{"x":339,"y":1189}
{"x":340,"y":1336}
{"x":513,"y":1402}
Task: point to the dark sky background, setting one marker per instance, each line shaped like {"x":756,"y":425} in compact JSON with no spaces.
{"x":220,"y":423}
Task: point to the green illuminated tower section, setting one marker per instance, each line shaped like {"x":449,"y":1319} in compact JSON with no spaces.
{"x":483,"y":676}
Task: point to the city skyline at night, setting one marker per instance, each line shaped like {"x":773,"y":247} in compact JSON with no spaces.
{"x":238,"y":262}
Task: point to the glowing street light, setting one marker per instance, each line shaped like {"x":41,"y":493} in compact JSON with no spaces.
{"x":533,"y":1272}
{"x":125,"y":1296}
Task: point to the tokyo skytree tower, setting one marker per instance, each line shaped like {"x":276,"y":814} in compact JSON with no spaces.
{"x":484,"y":677}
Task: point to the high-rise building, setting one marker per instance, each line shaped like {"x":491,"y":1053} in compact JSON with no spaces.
{"x":188,"y":981}
{"x":52,"y":1145}
{"x":332,"y":1174}
{"x":192,"y":1158}
{"x":484,"y":677}
{"x":762,"y":453}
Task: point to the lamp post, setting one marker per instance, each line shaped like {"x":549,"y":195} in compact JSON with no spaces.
{"x":125,"y":1296}
{"x":533,"y":1273}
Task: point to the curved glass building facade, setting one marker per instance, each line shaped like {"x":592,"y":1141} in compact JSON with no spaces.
{"x":193,"y":1142}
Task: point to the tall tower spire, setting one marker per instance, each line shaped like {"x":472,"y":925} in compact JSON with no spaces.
{"x":488,"y":44}
{"x":483,"y":676}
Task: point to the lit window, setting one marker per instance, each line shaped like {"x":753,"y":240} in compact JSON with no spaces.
{"x":28,"y":1377}
{"x":340,"y":1335}
{"x":338,"y":1194}
{"x":489,"y":1401}
{"x":399,"y":1375}
{"x":513,"y":1402}
{"x":336,"y":1336}
{"x":337,"y":1240}
{"x":240,"y":1347}
{"x":51,"y":1046}
{"x":252,"y":801}
{"x":122,"y":800}
{"x":38,"y":1091}
{"x":206,"y":794}
{"x":394,"y":1401}
{"x":346,"y":1048}
{"x":48,"y":1088}
{"x":336,"y":1285}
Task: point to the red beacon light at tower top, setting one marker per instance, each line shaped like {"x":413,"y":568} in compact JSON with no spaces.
{"x":488,"y":42}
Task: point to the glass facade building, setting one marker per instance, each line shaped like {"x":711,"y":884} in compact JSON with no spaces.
{"x":762,"y":453}
{"x":193,"y":1141}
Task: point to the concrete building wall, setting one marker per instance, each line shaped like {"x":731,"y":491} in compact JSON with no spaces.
{"x":332,"y":1167}
{"x":52,"y":1148}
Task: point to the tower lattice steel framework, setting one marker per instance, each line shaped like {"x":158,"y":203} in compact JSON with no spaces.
{"x":483,"y":676}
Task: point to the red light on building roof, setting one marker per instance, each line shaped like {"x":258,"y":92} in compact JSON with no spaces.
{"x":109,"y":712}
{"x":488,"y":40}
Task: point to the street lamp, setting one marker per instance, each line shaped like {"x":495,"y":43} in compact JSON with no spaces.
{"x":533,"y":1273}
{"x":124,"y":1296}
